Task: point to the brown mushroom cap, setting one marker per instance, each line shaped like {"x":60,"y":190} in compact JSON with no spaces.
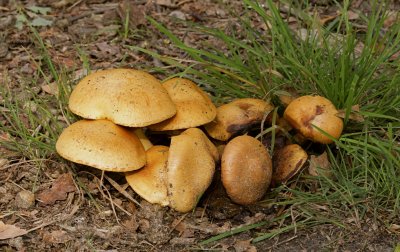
{"x":237,"y":116}
{"x":190,"y":169}
{"x":246,"y":170}
{"x":194,"y":107}
{"x":125,"y":96}
{"x":306,"y":111}
{"x":101,"y":144}
{"x":150,"y":182}
{"x":287,"y":162}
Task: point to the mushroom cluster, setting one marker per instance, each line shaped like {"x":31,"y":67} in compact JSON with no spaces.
{"x":121,"y":107}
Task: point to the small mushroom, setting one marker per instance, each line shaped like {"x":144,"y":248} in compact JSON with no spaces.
{"x":101,"y":144}
{"x":237,"y":116}
{"x":191,"y":166}
{"x":308,"y":111}
{"x":150,"y":182}
{"x":127,"y":97}
{"x":194,"y":107}
{"x":287,"y":162}
{"x":246,"y":170}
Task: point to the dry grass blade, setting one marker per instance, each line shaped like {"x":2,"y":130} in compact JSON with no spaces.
{"x":120,"y":189}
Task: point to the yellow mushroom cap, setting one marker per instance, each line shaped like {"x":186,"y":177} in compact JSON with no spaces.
{"x":190,"y":169}
{"x":125,"y":96}
{"x":287,"y":162}
{"x":236,"y":116}
{"x":150,"y":182}
{"x":101,"y":144}
{"x":306,"y":111}
{"x":246,"y":170}
{"x":194,"y":107}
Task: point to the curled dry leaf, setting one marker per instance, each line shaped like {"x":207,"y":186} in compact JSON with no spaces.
{"x":10,"y":231}
{"x":320,"y":165}
{"x":58,"y":191}
{"x":326,"y":19}
{"x":352,"y":15}
{"x":392,"y":18}
{"x":354,"y":114}
{"x":51,"y":88}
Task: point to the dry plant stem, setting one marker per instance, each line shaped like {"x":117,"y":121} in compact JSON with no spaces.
{"x":112,"y":205}
{"x":110,"y":198}
{"x":121,"y":190}
{"x":277,"y":243}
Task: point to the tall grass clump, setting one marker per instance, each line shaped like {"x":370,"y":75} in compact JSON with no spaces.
{"x":349,"y":66}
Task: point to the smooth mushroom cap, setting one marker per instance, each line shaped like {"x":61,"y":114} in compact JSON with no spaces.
{"x":237,"y":116}
{"x":195,"y":132}
{"x":190,"y":169}
{"x":101,"y":144}
{"x":125,"y":96}
{"x":150,"y":182}
{"x":306,"y":111}
{"x":287,"y":162}
{"x":246,"y":170}
{"x":194,"y":107}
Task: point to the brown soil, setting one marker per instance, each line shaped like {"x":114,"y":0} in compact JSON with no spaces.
{"x":62,"y":216}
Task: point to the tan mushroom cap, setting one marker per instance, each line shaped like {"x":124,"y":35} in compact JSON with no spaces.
{"x":306,"y":111}
{"x":125,"y":96}
{"x":197,"y":133}
{"x":194,"y":107}
{"x":101,"y":144}
{"x":246,"y":170}
{"x":287,"y":162}
{"x":190,"y":169}
{"x":150,"y":182}
{"x":236,"y":116}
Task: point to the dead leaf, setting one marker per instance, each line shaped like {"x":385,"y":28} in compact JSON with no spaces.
{"x":184,"y":230}
{"x":178,"y":14}
{"x":320,"y":165}
{"x":10,"y":231}
{"x":395,"y":228}
{"x":244,"y":246}
{"x":57,"y":236}
{"x":135,"y":11}
{"x":107,"y":49}
{"x":325,"y":19}
{"x":166,"y":3}
{"x":352,"y":15}
{"x":392,"y":18}
{"x":58,"y":191}
{"x":51,"y":88}
{"x":354,"y":114}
